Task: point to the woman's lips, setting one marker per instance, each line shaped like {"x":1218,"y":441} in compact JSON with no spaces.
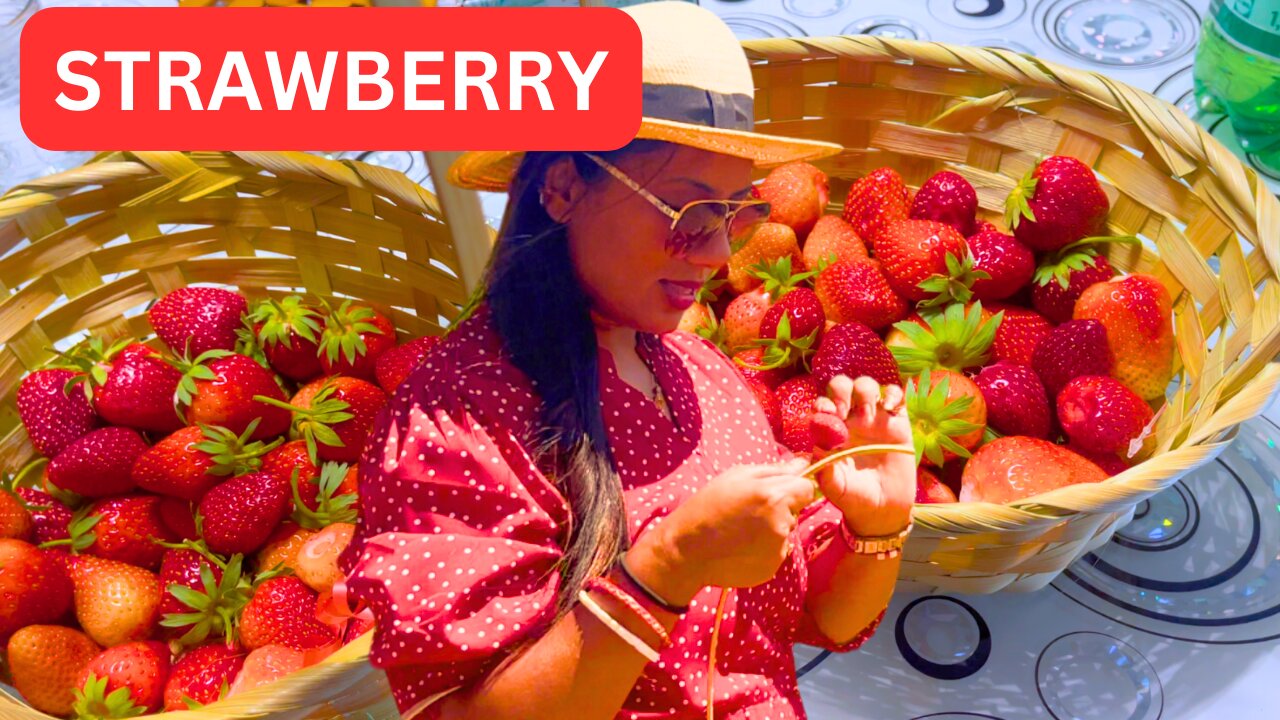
{"x":680,"y":294}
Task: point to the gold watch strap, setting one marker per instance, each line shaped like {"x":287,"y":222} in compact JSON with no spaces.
{"x":882,"y":546}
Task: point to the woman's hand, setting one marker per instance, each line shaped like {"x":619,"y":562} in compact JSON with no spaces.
{"x":875,"y":492}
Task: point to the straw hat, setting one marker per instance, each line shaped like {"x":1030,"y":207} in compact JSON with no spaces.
{"x":697,"y":90}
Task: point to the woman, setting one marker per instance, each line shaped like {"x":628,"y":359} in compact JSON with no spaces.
{"x":564,"y":433}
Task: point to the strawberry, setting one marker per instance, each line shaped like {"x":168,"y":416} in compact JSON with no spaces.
{"x":1017,"y":467}
{"x":854,"y":349}
{"x":1073,"y":349}
{"x":281,"y":549}
{"x":98,"y":464}
{"x":912,"y":252}
{"x":222,"y":389}
{"x":354,"y":337}
{"x":795,"y":402}
{"x":317,"y":559}
{"x":797,"y":193}
{"x":15,"y":519}
{"x":1019,"y":333}
{"x":125,"y":529}
{"x":1110,"y":463}
{"x":266,"y":665}
{"x":946,"y":198}
{"x":1016,"y":400}
{"x":123,"y":681}
{"x":1138,"y":316}
{"x":128,"y":384}
{"x":769,"y":244}
{"x":858,"y":291}
{"x":53,"y":416}
{"x":742,"y":318}
{"x":750,"y":364}
{"x":283,"y":612}
{"x":397,"y":363}
{"x":192,"y":460}
{"x":34,"y":587}
{"x":293,"y":455}
{"x":46,"y":662}
{"x":952,"y":339}
{"x":767,"y":398}
{"x":695,"y":317}
{"x":1063,"y":277}
{"x":329,"y":499}
{"x":1056,"y":203}
{"x":179,"y":518}
{"x":1008,"y":263}
{"x":929,"y":489}
{"x":239,"y":515}
{"x":288,"y":332}
{"x":874,"y":201}
{"x":832,"y":240}
{"x":194,"y":320}
{"x":334,"y":415}
{"x":791,"y":328}
{"x":948,"y":414}
{"x":49,"y":515}
{"x":1100,"y":415}
{"x":115,"y":602}
{"x":185,"y":567}
{"x":203,"y":675}
{"x":828,"y":431}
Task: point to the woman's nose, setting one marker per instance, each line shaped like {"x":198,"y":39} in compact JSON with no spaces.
{"x":712,"y":253}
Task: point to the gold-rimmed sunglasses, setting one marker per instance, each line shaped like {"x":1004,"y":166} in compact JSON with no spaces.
{"x":698,"y":221}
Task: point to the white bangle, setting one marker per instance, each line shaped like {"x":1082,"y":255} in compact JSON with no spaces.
{"x":640,"y":645}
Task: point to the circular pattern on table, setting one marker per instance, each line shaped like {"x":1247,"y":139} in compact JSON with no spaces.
{"x":814,"y":8}
{"x":1092,"y":676}
{"x":956,"y":716}
{"x":757,"y":26}
{"x":977,"y":14}
{"x":943,"y":637}
{"x":1179,"y":90}
{"x":889,"y":26}
{"x":1257,"y":163}
{"x":810,"y":664}
{"x":1209,"y":575}
{"x":1128,"y":33}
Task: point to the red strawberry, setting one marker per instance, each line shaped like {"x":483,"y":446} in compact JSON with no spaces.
{"x":750,"y":362}
{"x":335,"y":416}
{"x":859,"y":292}
{"x":192,"y":460}
{"x":874,"y":201}
{"x":288,"y":332}
{"x":832,"y":240}
{"x":797,"y":194}
{"x":1138,"y":316}
{"x":742,"y":318}
{"x":179,"y":518}
{"x":1059,"y":283}
{"x":1009,"y":263}
{"x":194,"y":320}
{"x":129,"y":384}
{"x":794,"y":325}
{"x":54,"y":418}
{"x":354,"y":337}
{"x":331,"y":498}
{"x":828,"y":431}
{"x":929,"y":489}
{"x":768,"y":400}
{"x":1100,"y":415}
{"x":1057,"y":203}
{"x":953,"y":339}
{"x":115,"y":602}
{"x":46,"y":662}
{"x":240,"y":514}
{"x":769,"y":244}
{"x":281,"y":462}
{"x":1019,"y":333}
{"x":948,"y":415}
{"x":221,"y":389}
{"x":913,"y":251}
{"x":98,"y":464}
{"x":1110,"y":463}
{"x":854,"y":349}
{"x":49,"y":516}
{"x":1073,"y":349}
{"x":397,"y":363}
{"x":1016,"y":400}
{"x":795,"y":402}
{"x":127,"y":529}
{"x":34,"y":588}
{"x":283,"y":546}
{"x":202,"y":675}
{"x":946,"y":198}
{"x":283,"y":612}
{"x":183,"y":567}
{"x":124,"y":680}
{"x":15,"y":519}
{"x":1016,"y":467}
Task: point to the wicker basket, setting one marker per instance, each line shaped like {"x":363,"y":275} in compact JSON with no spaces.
{"x":269,"y":223}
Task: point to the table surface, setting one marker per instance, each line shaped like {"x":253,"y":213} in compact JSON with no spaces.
{"x":1179,"y":616}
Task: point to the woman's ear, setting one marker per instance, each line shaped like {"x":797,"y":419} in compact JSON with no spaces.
{"x":562,"y":189}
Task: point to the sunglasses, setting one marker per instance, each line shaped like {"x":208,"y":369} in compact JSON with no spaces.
{"x":699,"y":221}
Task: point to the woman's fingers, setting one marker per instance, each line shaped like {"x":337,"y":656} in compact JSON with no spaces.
{"x":866,"y":395}
{"x":893,"y":397}
{"x":841,"y":394}
{"x":828,"y":406}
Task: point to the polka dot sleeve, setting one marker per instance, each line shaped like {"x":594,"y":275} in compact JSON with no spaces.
{"x":456,"y":554}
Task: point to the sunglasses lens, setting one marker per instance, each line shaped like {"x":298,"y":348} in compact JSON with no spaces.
{"x":697,"y":225}
{"x":747,"y":220}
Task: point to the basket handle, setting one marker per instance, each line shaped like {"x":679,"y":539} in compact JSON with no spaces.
{"x":472,"y":238}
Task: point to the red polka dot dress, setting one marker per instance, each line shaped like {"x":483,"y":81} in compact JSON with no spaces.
{"x":461,"y":531}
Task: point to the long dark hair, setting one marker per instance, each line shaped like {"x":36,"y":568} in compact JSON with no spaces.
{"x":542,"y":314}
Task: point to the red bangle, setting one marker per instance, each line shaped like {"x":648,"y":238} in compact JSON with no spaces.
{"x":599,"y":583}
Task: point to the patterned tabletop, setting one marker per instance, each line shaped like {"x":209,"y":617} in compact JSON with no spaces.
{"x":1178,"y":617}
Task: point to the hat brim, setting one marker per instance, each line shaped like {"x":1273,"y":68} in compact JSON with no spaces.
{"x":493,"y":170}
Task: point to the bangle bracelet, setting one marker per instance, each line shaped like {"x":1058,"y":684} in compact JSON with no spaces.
{"x":882,"y":546}
{"x":653,"y":597}
{"x":602,"y":584}
{"x":630,"y":637}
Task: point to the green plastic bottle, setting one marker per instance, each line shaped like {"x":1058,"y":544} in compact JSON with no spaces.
{"x":1237,"y":72}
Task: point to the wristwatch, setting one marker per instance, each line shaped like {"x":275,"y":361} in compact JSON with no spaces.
{"x":882,"y":546}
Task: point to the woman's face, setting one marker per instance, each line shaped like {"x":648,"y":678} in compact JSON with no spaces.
{"x":618,"y":240}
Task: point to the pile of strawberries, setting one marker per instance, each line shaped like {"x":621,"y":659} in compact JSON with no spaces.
{"x":182,"y":541}
{"x":1027,"y":362}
